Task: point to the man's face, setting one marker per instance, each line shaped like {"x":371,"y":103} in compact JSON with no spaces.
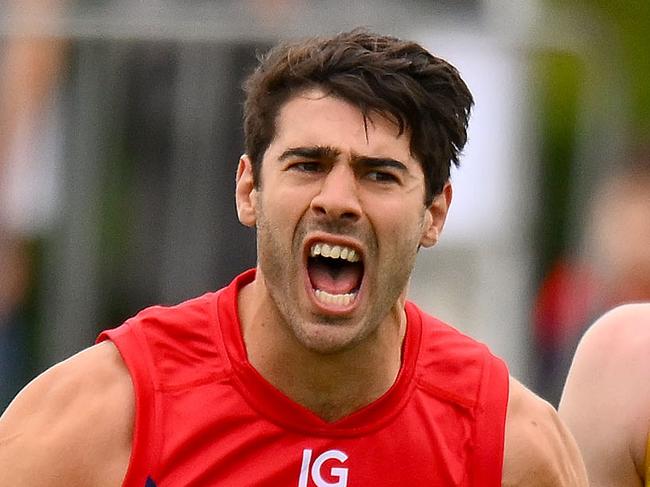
{"x":340,"y":215}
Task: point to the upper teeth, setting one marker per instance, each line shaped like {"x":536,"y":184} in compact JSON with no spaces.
{"x":334,"y":252}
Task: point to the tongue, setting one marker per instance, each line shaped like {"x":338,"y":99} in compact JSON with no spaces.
{"x":341,"y":279}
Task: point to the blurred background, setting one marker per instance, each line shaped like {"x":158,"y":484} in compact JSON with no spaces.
{"x":120,"y":130}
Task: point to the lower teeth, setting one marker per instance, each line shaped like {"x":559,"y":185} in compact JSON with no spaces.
{"x":338,"y":299}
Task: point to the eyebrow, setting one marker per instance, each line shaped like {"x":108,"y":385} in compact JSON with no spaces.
{"x":316,"y":152}
{"x":324,"y":152}
{"x":374,"y":162}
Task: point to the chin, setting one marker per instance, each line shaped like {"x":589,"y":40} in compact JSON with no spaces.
{"x":328,"y":338}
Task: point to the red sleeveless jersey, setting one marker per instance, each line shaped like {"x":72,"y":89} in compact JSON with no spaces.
{"x":205,"y":417}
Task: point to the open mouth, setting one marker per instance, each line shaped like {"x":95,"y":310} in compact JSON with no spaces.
{"x":335,"y":273}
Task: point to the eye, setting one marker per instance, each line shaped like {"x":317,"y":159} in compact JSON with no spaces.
{"x":382,"y":177}
{"x":306,"y":166}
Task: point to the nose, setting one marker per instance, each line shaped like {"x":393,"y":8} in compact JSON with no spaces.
{"x":338,"y":197}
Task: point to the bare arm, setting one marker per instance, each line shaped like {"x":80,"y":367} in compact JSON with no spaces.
{"x":72,"y":425}
{"x":539,"y":450}
{"x":606,"y":400}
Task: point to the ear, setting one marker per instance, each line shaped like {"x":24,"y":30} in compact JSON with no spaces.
{"x":245,"y":192}
{"x":435,"y":216}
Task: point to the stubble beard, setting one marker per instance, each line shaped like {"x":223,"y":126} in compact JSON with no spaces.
{"x":324,"y":334}
{"x":281,"y":266}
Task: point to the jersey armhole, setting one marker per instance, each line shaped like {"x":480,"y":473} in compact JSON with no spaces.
{"x":489,"y":435}
{"x":145,"y":447}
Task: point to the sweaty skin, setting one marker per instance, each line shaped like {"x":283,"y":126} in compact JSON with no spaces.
{"x":327,"y":177}
{"x":606,"y":400}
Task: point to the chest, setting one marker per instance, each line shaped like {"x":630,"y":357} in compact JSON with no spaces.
{"x":220,"y":439}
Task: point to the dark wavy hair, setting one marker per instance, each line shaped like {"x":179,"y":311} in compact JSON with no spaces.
{"x":400,"y":80}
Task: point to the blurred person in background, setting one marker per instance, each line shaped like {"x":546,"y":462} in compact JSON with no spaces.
{"x":606,"y":400}
{"x":30,"y":66}
{"x":619,"y":236}
{"x":313,"y":368}
{"x":611,"y":269}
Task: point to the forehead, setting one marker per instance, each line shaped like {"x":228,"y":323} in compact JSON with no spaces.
{"x":314,"y":118}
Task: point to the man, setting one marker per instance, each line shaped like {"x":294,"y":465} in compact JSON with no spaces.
{"x":606,"y":400}
{"x":312,"y":369}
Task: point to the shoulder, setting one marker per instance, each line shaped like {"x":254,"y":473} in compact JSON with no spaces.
{"x":460,"y":365}
{"x":539,"y":451}
{"x":608,"y":379}
{"x":623,"y":330}
{"x":72,"y":425}
{"x":191,"y":319}
{"x":614,"y":353}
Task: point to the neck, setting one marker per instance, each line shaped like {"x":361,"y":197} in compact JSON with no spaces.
{"x":330,"y":385}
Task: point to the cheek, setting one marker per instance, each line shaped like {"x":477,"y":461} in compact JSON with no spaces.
{"x":287,"y":196}
{"x":398,"y":231}
{"x":399,"y":218}
{"x":278,"y":223}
